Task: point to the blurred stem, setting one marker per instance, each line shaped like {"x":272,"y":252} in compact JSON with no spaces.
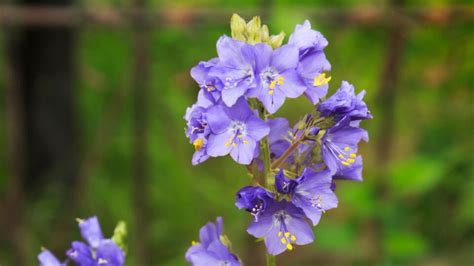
{"x":271,"y":260}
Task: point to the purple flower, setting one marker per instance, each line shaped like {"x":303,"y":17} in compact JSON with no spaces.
{"x":311,"y":69}
{"x":277,"y":76}
{"x":46,"y":258}
{"x":279,"y":137}
{"x":235,"y":69}
{"x":306,"y":39}
{"x":311,"y":192}
{"x":344,"y":103}
{"x":210,"y":250}
{"x":339,"y":146}
{"x":253,"y":199}
{"x":210,"y":86}
{"x":99,"y":251}
{"x":282,"y":225}
{"x":235,"y":130}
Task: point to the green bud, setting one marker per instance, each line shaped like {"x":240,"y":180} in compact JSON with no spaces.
{"x":265,"y":34}
{"x":238,"y":27}
{"x":254,"y":31}
{"x":120,"y":233}
{"x":276,"y":40}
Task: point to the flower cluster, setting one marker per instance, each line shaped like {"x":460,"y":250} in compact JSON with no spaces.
{"x":212,"y":248}
{"x":98,"y":250}
{"x":294,"y":168}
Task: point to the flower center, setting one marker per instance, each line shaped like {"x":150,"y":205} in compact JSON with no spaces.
{"x":238,"y":130}
{"x":270,"y":78}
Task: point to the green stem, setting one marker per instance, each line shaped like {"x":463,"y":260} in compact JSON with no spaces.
{"x":271,"y":261}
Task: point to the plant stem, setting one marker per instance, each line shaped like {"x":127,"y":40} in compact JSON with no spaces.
{"x":271,"y":260}
{"x":278,"y":162}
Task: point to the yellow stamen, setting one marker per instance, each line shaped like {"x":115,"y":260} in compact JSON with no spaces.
{"x":194,"y":243}
{"x":346,"y":163}
{"x":239,"y":136}
{"x":293,"y":238}
{"x":270,"y":92}
{"x":353,"y":155}
{"x":350,"y":160}
{"x":234,"y":145}
{"x":341,"y":156}
{"x":279,"y":233}
{"x":346,"y":148}
{"x":272,"y":84}
{"x":321,"y":80}
{"x":246,"y":142}
{"x":280,"y":80}
{"x":289,"y":246}
{"x":198,"y":143}
{"x":283,"y":240}
{"x":287,"y":234}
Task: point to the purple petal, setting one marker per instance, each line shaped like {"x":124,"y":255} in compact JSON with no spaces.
{"x":273,"y":242}
{"x":81,"y":254}
{"x":285,"y":57}
{"x":231,"y":95}
{"x":263,"y":54}
{"x":244,"y":153}
{"x":256,"y":128}
{"x":240,"y":111}
{"x":261,"y":227}
{"x":90,"y":231}
{"x":292,"y":85}
{"x":46,"y":258}
{"x":109,"y":254}
{"x":272,"y":102}
{"x":217,"y":119}
{"x":218,"y":144}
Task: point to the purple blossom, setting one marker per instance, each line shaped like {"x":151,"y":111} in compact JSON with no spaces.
{"x":210,"y":250}
{"x":211,"y":87}
{"x":281,"y":225}
{"x":344,"y":103}
{"x":339,"y":146}
{"x":253,"y":199}
{"x":235,"y":69}
{"x":235,"y":130}
{"x":99,"y":251}
{"x":46,"y":258}
{"x":311,"y":192}
{"x":306,"y":39}
{"x":277,"y":76}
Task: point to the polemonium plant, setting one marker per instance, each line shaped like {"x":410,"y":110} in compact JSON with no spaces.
{"x":293,"y":168}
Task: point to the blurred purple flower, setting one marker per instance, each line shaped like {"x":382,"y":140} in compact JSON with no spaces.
{"x":210,"y":250}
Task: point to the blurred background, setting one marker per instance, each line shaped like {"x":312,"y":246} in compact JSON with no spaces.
{"x":92,"y":94}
